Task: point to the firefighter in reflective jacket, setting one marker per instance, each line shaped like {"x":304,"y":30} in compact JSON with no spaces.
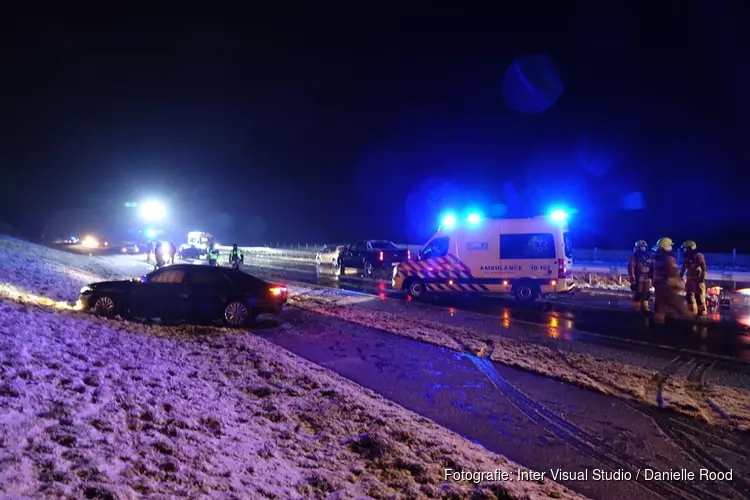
{"x":639,"y":275}
{"x":213,"y":255}
{"x":694,"y":265}
{"x":667,"y":283}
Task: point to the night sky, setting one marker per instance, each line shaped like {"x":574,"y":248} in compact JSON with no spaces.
{"x":331,"y":126}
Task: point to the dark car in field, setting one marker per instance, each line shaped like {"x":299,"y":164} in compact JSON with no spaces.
{"x":370,"y":256}
{"x":187,"y":292}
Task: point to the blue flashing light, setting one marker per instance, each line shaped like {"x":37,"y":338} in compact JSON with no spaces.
{"x":559,"y":215}
{"x":474,"y":218}
{"x":449,"y":220}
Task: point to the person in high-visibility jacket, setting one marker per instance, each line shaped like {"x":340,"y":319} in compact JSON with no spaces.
{"x":639,"y":275}
{"x":213,"y":255}
{"x":667,"y":283}
{"x":236,"y":256}
{"x":694,"y":270}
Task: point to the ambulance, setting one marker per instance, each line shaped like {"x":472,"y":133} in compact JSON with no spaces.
{"x":523,"y":257}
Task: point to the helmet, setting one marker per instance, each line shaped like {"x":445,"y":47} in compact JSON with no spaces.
{"x":689,"y":245}
{"x":665,"y":244}
{"x":640,"y":244}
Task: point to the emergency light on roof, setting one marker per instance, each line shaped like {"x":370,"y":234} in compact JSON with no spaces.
{"x":449,"y":221}
{"x":559,"y":215}
{"x":474,"y":218}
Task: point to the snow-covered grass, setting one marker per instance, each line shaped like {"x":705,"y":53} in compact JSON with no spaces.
{"x":603,"y":375}
{"x":48,"y":272}
{"x":101,"y":408}
{"x":613,"y":282}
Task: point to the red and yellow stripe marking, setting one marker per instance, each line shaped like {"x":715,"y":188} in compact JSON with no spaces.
{"x":447,"y":267}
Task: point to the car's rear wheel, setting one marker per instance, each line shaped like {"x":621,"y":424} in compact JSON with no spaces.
{"x":237,"y":314}
{"x":368,"y":268}
{"x":105,"y":306}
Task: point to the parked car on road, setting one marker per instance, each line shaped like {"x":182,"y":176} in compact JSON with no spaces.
{"x":329,"y":255}
{"x":186,"y":292}
{"x":370,"y":256}
{"x":189,"y":252}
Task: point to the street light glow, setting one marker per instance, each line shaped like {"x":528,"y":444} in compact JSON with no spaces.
{"x":153,"y":211}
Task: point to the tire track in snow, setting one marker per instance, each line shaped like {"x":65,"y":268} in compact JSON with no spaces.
{"x":661,"y":377}
{"x":584,"y":442}
{"x":695,"y":449}
{"x":688,"y":438}
{"x":692,"y":440}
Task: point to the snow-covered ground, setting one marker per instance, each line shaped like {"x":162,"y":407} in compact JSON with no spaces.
{"x":101,"y":408}
{"x":596,"y":373}
{"x":55,"y":274}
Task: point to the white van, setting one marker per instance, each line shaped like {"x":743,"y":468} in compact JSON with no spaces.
{"x":525,"y":257}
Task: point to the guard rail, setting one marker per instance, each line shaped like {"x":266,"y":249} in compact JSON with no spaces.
{"x":716,"y":261}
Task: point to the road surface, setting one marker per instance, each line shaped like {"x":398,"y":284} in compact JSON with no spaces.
{"x":605,"y":314}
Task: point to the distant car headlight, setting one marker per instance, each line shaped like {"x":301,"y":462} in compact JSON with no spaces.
{"x":85,"y":290}
{"x":90,"y":242}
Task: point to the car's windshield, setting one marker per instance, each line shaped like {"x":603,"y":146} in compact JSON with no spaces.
{"x":383,"y":245}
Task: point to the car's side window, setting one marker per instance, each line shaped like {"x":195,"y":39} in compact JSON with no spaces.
{"x":168,"y":276}
{"x":361,"y":246}
{"x":207,"y":277}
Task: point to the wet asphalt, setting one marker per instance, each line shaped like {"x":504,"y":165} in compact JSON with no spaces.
{"x":597,"y":317}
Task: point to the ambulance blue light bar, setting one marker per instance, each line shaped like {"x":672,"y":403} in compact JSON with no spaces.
{"x":559,"y":215}
{"x":474,"y":218}
{"x":449,"y":221}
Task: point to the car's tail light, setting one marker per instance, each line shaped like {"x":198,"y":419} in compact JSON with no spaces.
{"x":380,"y":256}
{"x":278,"y":291}
{"x":561,"y":271}
{"x":408,"y":255}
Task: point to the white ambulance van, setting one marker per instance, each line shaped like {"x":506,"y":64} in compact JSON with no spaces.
{"x":524,"y":257}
